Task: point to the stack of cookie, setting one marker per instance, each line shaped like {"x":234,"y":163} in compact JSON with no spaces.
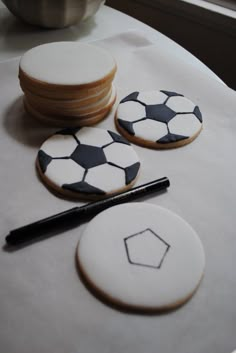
{"x":67,"y":83}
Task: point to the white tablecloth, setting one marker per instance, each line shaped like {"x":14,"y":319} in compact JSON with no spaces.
{"x":44,"y":306}
{"x":16,"y":37}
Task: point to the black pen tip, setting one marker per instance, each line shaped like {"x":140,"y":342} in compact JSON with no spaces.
{"x":8,"y":239}
{"x":168,"y":181}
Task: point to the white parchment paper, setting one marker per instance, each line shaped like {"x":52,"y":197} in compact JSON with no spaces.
{"x":44,"y":305}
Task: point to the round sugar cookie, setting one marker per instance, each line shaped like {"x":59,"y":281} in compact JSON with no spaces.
{"x":63,"y":104}
{"x":158,"y":119}
{"x":88,"y":163}
{"x":65,"y":121}
{"x":71,"y":120}
{"x":141,"y":256}
{"x":63,"y":64}
{"x":88,"y":111}
{"x":62,"y":93}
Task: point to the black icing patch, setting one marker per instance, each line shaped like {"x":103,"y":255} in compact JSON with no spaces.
{"x":171,"y":94}
{"x":127,"y":126}
{"x":130,"y":97}
{"x":115,"y":165}
{"x":68,"y":131}
{"x":88,"y":156}
{"x":159,"y":112}
{"x":198,"y":113}
{"x":118,"y":138}
{"x":44,"y":159}
{"x":131,"y":172}
{"x":83,"y":188}
{"x":170,"y":138}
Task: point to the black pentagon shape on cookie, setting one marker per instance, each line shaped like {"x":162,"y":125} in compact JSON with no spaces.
{"x":142,"y":259}
{"x":88,"y":156}
{"x":198,"y":113}
{"x":159,"y":112}
{"x":127,"y":126}
{"x":118,"y":138}
{"x":83,"y":188}
{"x":171,"y":94}
{"x":44,"y":159}
{"x":131,"y":172}
{"x":132,"y":96}
{"x":68,"y":131}
{"x":171,"y":138}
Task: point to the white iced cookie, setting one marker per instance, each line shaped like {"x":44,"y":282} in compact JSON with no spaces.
{"x":71,"y":118}
{"x":67,"y":64}
{"x":64,"y":122}
{"x":141,"y":256}
{"x":68,"y":79}
{"x":87,"y":163}
{"x":158,"y":119}
{"x":70,"y":104}
{"x":88,"y":111}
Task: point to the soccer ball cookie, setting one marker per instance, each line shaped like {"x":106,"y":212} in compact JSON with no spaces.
{"x":87,"y":163}
{"x":158,"y":119}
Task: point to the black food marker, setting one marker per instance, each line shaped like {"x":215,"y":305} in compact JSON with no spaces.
{"x":78,"y":215}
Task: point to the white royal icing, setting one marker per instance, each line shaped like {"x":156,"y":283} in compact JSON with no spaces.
{"x":150,"y":130}
{"x":131,"y":111}
{"x":141,"y":255}
{"x":152,"y":97}
{"x":64,"y":171}
{"x":93,"y":137}
{"x":184,"y":124}
{"x":121,"y":155}
{"x":106,"y":177}
{"x":59,"y":145}
{"x":67,"y":63}
{"x":89,"y":155}
{"x":180,"y":104}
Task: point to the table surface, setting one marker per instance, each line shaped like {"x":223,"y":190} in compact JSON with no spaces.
{"x":17,"y":37}
{"x":44,"y":306}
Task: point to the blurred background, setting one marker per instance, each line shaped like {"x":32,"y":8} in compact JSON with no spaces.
{"x":205,"y":28}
